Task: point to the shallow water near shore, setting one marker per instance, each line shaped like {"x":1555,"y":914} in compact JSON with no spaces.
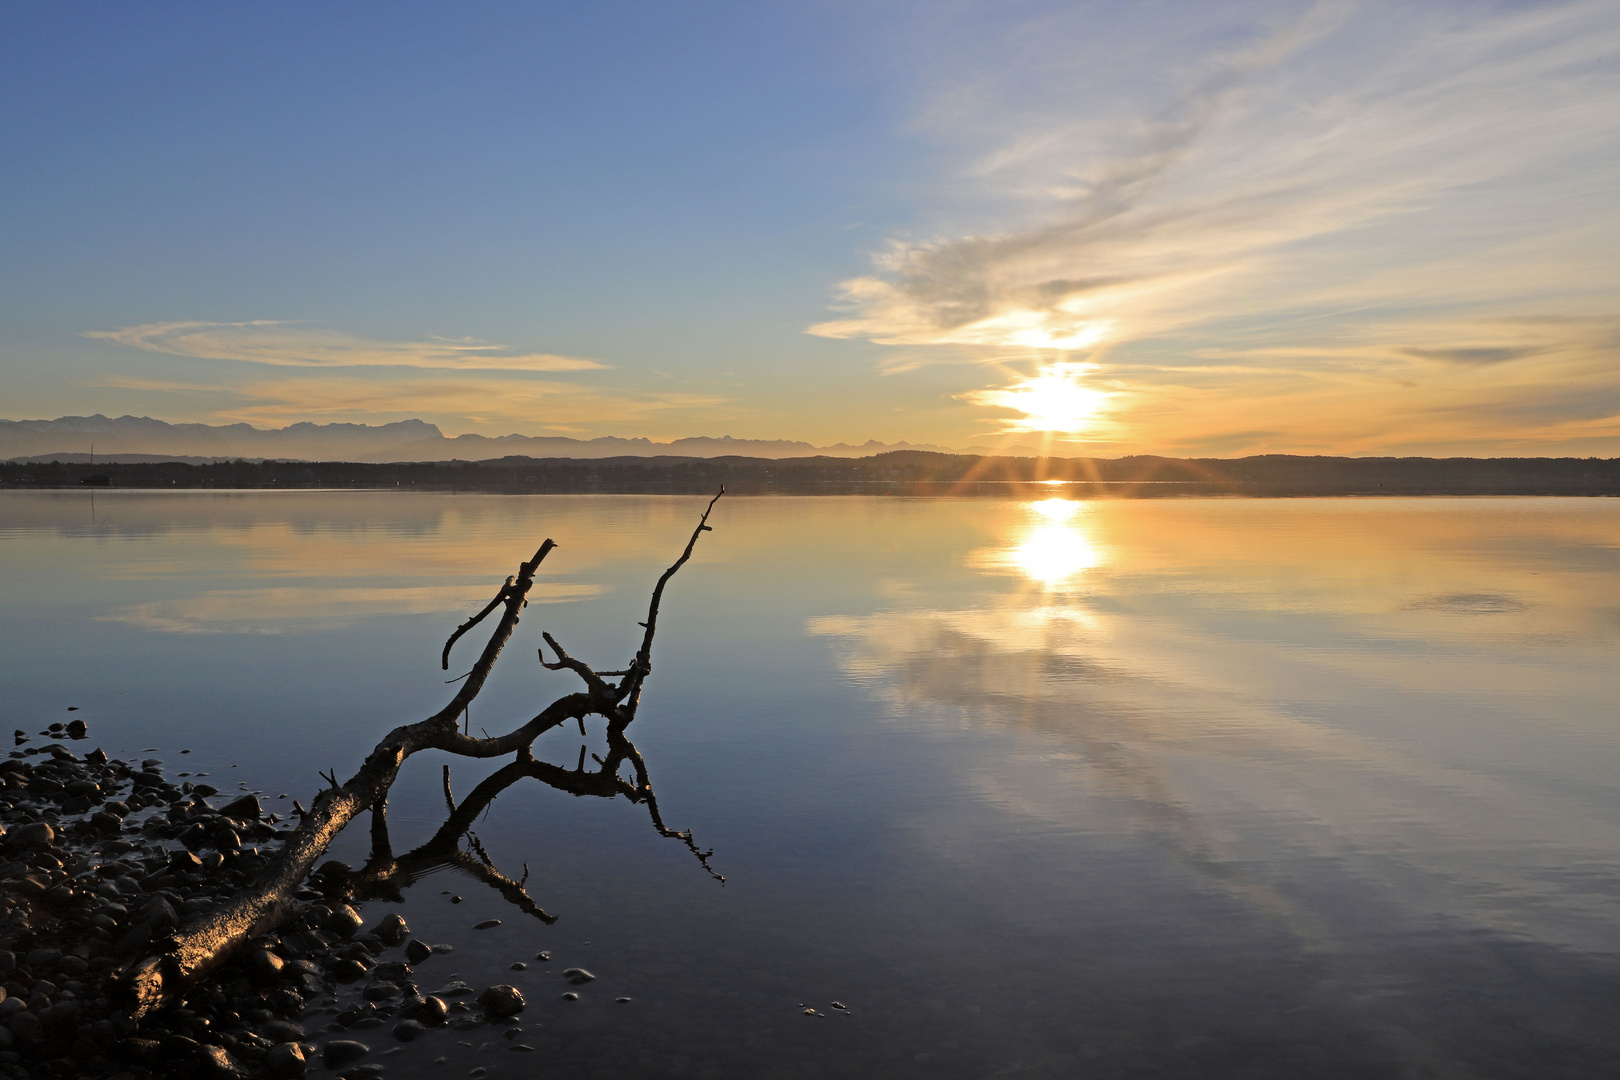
{"x":1036,"y":788}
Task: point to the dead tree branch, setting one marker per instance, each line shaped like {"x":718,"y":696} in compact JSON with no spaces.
{"x":206,"y":942}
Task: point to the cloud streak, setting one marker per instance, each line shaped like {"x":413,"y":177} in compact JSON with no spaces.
{"x":289,"y":344}
{"x":1359,"y":197}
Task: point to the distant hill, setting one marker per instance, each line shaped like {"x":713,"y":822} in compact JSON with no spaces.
{"x":900,"y":472}
{"x":132,"y":438}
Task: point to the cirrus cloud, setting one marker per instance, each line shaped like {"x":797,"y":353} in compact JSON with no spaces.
{"x":292,"y":344}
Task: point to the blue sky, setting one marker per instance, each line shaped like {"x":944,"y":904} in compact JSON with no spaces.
{"x":1226,"y":228}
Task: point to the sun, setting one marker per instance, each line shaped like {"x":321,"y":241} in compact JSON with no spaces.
{"x":1054,"y":400}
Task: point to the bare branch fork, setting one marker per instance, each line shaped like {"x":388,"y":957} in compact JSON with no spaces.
{"x":205,"y":943}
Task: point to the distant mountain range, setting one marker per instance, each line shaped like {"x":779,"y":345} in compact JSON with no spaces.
{"x":133,"y":439}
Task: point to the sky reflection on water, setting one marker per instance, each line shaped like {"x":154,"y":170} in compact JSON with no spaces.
{"x":1179,"y":788}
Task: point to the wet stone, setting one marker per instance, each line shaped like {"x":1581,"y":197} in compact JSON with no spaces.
{"x":343,"y":921}
{"x":340,"y":1052}
{"x":487,"y":924}
{"x":217,"y":1064}
{"x":393,"y":971}
{"x":37,"y":834}
{"x":286,"y":1061}
{"x":347,"y":971}
{"x":407,"y":1030}
{"x":501,"y":1000}
{"x":282,"y":1031}
{"x":265,"y":965}
{"x":417,"y":951}
{"x":578,"y":976}
{"x":433,"y":1010}
{"x":245,"y":808}
{"x":61,"y":1021}
{"x":38,"y":959}
{"x":393,"y":930}
{"x":25,"y":1026}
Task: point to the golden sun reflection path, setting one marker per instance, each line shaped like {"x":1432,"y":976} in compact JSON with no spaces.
{"x":1051,"y":545}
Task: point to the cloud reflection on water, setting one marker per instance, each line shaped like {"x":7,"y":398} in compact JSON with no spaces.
{"x":297,"y":609}
{"x":1287,"y":726}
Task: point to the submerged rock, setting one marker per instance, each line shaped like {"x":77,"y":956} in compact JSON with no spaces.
{"x":341,"y":1052}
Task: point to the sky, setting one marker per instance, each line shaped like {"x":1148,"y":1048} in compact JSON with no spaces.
{"x":1185,"y":228}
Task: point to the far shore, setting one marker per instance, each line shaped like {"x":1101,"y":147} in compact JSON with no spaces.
{"x":902,"y":472}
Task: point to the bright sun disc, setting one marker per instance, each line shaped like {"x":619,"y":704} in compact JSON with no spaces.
{"x":1054,"y":400}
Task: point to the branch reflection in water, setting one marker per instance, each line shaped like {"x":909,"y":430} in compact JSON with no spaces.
{"x":386,"y":876}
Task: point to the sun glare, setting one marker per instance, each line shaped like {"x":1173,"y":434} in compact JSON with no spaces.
{"x":1050,"y":546}
{"x":1055,"y":509}
{"x":1053,"y":400}
{"x":1053,"y":552}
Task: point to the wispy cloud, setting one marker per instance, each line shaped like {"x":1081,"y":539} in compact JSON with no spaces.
{"x":1360,"y":195}
{"x":290,"y":344}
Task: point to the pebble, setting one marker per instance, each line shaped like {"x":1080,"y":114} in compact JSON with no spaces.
{"x":578,"y":976}
{"x":286,"y":1060}
{"x":341,"y":1052}
{"x":570,"y":996}
{"x":487,"y":924}
{"x":407,"y":1030}
{"x":502,"y":1000}
{"x":105,"y":857}
{"x":393,"y":930}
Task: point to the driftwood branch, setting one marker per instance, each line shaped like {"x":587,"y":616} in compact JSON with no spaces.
{"x":205,"y":943}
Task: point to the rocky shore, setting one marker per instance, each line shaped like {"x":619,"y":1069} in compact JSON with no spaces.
{"x":101,"y":858}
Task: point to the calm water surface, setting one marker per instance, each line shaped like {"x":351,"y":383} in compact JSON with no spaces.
{"x":1038,"y":789}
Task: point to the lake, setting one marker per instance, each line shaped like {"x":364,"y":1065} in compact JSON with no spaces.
{"x":1036,"y":788}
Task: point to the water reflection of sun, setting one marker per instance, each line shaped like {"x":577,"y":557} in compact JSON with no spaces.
{"x":1051,"y":545}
